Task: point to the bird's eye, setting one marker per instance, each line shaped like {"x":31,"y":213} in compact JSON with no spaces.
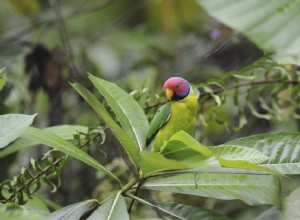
{"x":177,"y":85}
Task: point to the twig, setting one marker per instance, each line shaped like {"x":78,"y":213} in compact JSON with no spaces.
{"x":47,"y":168}
{"x":141,"y":182}
{"x":64,"y":35}
{"x":235,"y":86}
{"x":36,"y":177}
{"x":52,"y":21}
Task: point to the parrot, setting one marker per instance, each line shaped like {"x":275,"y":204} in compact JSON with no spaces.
{"x":179,"y":113}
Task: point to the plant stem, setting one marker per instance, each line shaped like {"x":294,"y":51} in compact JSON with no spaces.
{"x":141,"y":182}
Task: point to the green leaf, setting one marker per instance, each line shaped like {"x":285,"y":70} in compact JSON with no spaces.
{"x":126,"y":108}
{"x":128,"y":145}
{"x":52,"y":140}
{"x":112,"y":209}
{"x":11,"y":211}
{"x":154,"y":163}
{"x":282,"y":148}
{"x":67,"y":132}
{"x":270,"y":214}
{"x":233,"y":152}
{"x":64,"y":131}
{"x":189,"y":212}
{"x":189,"y":146}
{"x":2,"y":78}
{"x":184,"y":148}
{"x":290,"y":206}
{"x":252,"y":189}
{"x":272,"y":25}
{"x":241,"y":157}
{"x":74,"y":211}
{"x":12,"y":126}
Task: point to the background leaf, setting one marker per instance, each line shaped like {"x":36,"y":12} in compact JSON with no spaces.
{"x":128,"y":111}
{"x":272,"y":25}
{"x":111,"y":209}
{"x":252,"y":189}
{"x":12,"y":126}
{"x":52,"y":140}
{"x":11,"y":211}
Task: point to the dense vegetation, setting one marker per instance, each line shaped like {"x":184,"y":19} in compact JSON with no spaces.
{"x":80,"y":80}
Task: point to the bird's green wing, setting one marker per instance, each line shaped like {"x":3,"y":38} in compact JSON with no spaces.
{"x":159,"y":120}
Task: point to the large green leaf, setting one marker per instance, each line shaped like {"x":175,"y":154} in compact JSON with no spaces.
{"x":232,"y":152}
{"x":282,"y":148}
{"x":272,"y":25}
{"x":126,"y":108}
{"x":241,"y":157}
{"x":112,"y":209}
{"x":290,"y":206}
{"x":183,"y":212}
{"x":47,"y":138}
{"x":132,"y":153}
{"x":74,"y":211}
{"x":12,"y":126}
{"x":64,"y":131}
{"x":189,"y":212}
{"x":252,"y":189}
{"x":154,"y":163}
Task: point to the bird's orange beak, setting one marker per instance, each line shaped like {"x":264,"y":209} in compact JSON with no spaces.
{"x":169,"y":93}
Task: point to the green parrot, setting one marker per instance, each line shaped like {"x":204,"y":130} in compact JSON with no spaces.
{"x":179,"y":113}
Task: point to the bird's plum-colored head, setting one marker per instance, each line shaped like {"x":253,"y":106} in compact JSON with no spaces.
{"x":176,"y":88}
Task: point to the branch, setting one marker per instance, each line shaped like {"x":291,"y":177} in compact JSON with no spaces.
{"x":52,"y":21}
{"x":235,"y":86}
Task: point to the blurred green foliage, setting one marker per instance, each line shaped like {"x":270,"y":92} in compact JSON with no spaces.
{"x":138,"y":45}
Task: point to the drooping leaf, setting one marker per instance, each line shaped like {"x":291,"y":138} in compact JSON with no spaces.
{"x":282,"y":148}
{"x":112,"y":209}
{"x":74,"y":211}
{"x":47,"y":138}
{"x":290,"y":206}
{"x":126,"y":108}
{"x":64,"y":131}
{"x":252,"y":189}
{"x":154,"y":163}
{"x":126,"y":142}
{"x":12,"y":126}
{"x":272,"y":25}
{"x":189,"y":212}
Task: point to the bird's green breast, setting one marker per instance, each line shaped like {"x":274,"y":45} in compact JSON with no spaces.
{"x":183,"y":117}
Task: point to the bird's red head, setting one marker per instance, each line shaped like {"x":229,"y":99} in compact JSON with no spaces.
{"x":176,"y":88}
